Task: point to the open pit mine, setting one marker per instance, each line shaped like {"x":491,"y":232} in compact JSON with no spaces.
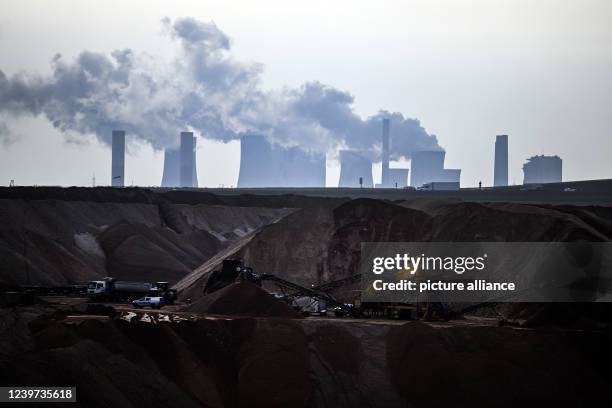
{"x":194,"y":298}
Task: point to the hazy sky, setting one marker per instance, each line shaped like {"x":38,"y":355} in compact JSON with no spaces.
{"x":540,"y":71}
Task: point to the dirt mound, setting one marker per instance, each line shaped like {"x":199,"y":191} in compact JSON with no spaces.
{"x":242,"y":299}
{"x":273,"y":366}
{"x":485,"y":366}
{"x":321,"y":244}
{"x":135,"y":251}
{"x":72,"y":238}
{"x":230,"y":222}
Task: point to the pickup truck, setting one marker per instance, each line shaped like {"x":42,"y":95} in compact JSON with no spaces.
{"x":152,"y":302}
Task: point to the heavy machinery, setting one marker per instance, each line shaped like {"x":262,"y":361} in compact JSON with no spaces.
{"x":118,"y":290}
{"x":316,"y":298}
{"x":307,"y":300}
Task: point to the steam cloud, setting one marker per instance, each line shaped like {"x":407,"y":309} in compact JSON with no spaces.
{"x":203,"y":89}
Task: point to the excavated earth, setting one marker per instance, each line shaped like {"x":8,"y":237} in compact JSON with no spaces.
{"x":321,"y":244}
{"x":58,"y":239}
{"x":280,"y":362}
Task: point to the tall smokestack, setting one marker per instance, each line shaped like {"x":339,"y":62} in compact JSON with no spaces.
{"x":194,"y":166}
{"x":500,"y":173}
{"x":187,"y":161}
{"x":385,"y":181}
{"x":118,"y":159}
{"x":171,"y":176}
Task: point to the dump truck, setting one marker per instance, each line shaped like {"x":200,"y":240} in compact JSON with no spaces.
{"x":112,"y":289}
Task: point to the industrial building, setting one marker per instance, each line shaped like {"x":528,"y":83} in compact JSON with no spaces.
{"x":355,"y":169}
{"x":265,"y":165}
{"x":542,"y":169}
{"x":428,"y":166}
{"x":172,"y":164}
{"x":500,"y":172}
{"x":118,"y":159}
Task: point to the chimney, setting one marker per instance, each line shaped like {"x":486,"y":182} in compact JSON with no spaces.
{"x":187,"y":162}
{"x":385,"y":181}
{"x":500,"y":172}
{"x":172,"y":167}
{"x":118,"y":159}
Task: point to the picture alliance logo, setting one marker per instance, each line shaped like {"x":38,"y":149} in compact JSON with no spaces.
{"x":413,"y":264}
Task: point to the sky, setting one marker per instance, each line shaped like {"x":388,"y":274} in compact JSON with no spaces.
{"x":539,"y":71}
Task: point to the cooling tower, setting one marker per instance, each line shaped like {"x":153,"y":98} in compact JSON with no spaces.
{"x":118,"y":159}
{"x":500,"y":172}
{"x":172,"y":163}
{"x":258,"y":164}
{"x":354,"y":165}
{"x":385,"y":179}
{"x":426,"y":166}
{"x":302,"y":169}
{"x":170,"y":177}
{"x":264,"y":165}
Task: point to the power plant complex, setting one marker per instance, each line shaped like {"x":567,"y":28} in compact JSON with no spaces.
{"x":263,"y":164}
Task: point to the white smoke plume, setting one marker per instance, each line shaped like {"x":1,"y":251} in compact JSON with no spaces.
{"x":204,"y":89}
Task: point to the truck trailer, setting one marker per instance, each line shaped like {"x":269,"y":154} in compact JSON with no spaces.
{"x":111,"y":289}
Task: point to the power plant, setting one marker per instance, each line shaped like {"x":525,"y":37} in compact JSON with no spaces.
{"x":118,"y":159}
{"x":500,"y":173}
{"x":543,"y":169}
{"x":428,"y":167}
{"x":265,"y":165}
